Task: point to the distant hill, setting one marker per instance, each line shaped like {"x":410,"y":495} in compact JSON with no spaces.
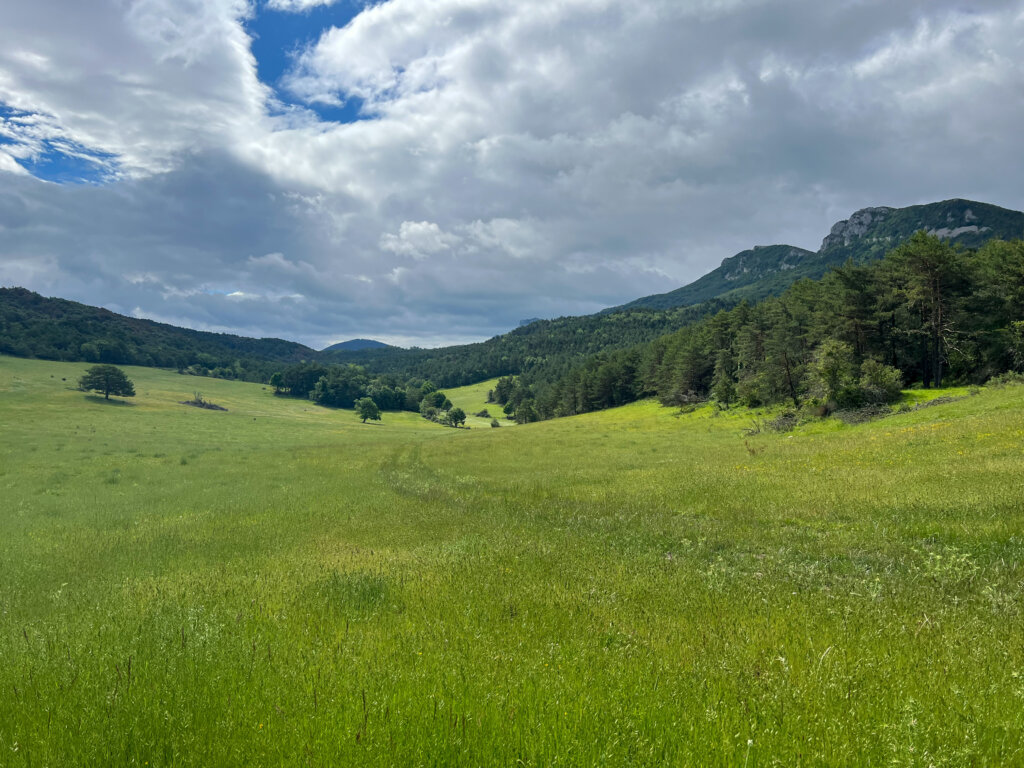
{"x":32,"y":325}
{"x":867,"y":235}
{"x":356,"y":345}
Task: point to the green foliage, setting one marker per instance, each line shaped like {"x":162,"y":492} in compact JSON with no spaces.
{"x":108,"y":379}
{"x":367,"y":409}
{"x":56,"y":329}
{"x":926,"y":312}
{"x":341,"y":386}
{"x":456,"y":417}
{"x":880,"y":383}
{"x":723,"y":388}
{"x":540,"y":352}
{"x":832,"y":372}
{"x":433,"y":399}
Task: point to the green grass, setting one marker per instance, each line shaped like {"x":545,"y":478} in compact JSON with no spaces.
{"x":473,"y":400}
{"x":280,"y":584}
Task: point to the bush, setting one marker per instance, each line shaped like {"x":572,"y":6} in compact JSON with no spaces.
{"x":495,"y":423}
{"x":1007,"y":379}
{"x":785,"y":421}
{"x":880,"y":383}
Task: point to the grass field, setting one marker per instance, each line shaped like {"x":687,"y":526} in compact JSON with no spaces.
{"x":283,"y":585}
{"x":473,"y":400}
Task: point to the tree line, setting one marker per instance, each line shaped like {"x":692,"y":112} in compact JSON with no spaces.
{"x":351,"y":386}
{"x":928,"y":314}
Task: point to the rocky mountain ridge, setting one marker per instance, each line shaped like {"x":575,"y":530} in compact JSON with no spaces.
{"x":867,"y":235}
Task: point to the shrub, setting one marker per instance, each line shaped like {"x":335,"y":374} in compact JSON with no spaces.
{"x":1007,"y":379}
{"x":880,"y":383}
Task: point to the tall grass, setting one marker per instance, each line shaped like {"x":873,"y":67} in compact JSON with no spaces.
{"x":281,"y":584}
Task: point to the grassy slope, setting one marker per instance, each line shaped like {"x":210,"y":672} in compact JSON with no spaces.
{"x":280,"y":584}
{"x":473,"y":399}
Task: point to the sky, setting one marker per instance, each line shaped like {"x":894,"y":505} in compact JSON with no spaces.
{"x":426,"y":172}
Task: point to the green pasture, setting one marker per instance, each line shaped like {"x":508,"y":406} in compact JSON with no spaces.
{"x":473,"y":400}
{"x":280,"y":584}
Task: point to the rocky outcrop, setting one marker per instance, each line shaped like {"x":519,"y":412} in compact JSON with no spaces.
{"x":846,"y":231}
{"x":947,"y":233}
{"x":762,"y":260}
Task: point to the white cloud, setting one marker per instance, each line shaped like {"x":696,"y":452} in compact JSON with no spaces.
{"x":418,"y":239}
{"x":9,"y":164}
{"x":143,"y":80}
{"x":520,"y":159}
{"x":297,"y":6}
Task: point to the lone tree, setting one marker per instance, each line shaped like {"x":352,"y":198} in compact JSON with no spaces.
{"x":367,"y":409}
{"x":108,"y":379}
{"x":456,"y":417}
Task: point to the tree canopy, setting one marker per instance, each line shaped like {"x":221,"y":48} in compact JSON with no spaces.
{"x":367,"y":409}
{"x":108,"y":379}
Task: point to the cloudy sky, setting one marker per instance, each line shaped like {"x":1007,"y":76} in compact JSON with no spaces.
{"x":433,"y":171}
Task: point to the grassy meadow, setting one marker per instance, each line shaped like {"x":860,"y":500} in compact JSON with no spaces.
{"x":473,"y":400}
{"x":280,"y":584}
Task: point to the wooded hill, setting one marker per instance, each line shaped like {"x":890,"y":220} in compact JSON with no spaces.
{"x":56,"y":329}
{"x":928,"y":314}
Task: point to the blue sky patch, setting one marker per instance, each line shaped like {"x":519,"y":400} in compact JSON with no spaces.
{"x":279,"y":36}
{"x":54,"y":159}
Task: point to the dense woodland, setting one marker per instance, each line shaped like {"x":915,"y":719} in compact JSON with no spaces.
{"x":340,"y":386}
{"x":929,"y":313}
{"x":56,"y":329}
{"x":550,"y":346}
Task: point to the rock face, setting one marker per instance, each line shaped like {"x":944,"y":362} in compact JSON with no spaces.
{"x":846,"y":231}
{"x":946,"y":233}
{"x":761,"y":260}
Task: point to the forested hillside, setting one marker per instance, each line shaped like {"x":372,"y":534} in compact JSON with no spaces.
{"x":548,"y":345}
{"x":56,"y":329}
{"x":928,"y":314}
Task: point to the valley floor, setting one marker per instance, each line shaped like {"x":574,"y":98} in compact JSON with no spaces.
{"x":280,"y":584}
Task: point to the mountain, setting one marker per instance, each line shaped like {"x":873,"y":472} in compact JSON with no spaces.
{"x":356,"y":345}
{"x":866,"y":236}
{"x":744,"y":269}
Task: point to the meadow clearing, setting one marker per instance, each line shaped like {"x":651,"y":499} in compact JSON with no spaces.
{"x":280,"y":584}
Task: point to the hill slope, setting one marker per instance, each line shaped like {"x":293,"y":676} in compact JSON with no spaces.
{"x":57,"y":329}
{"x":865,"y":236}
{"x":356,"y":345}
